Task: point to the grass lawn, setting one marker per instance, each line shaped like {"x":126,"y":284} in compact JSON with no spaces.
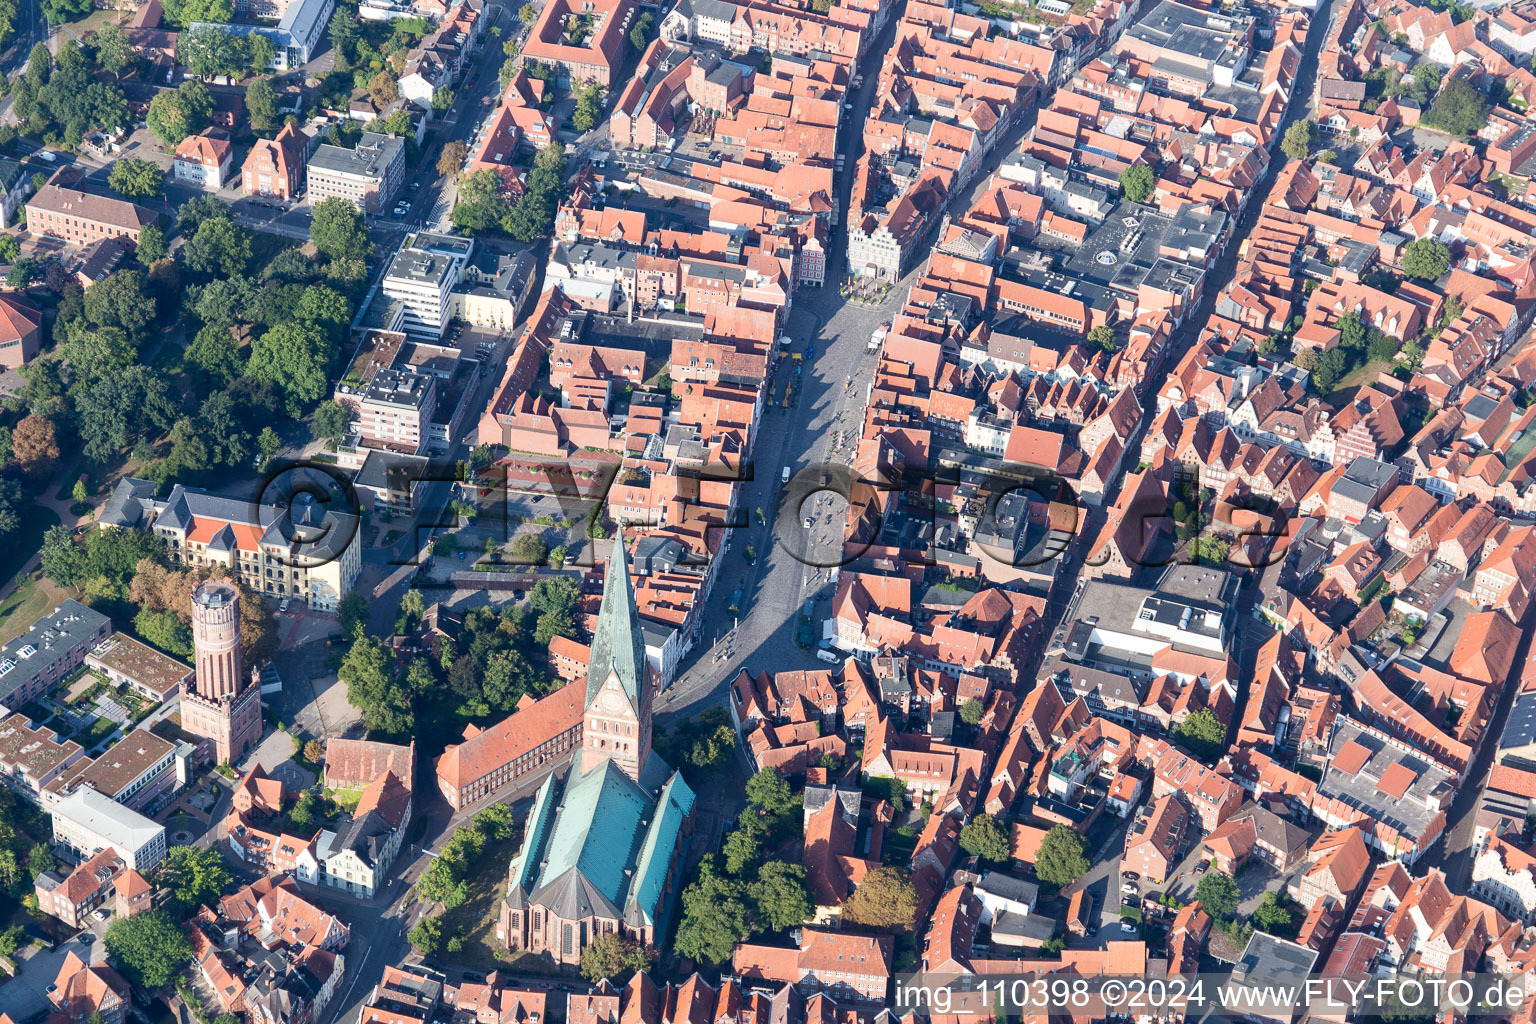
{"x":474,"y":921}
{"x":265,"y":245}
{"x":30,"y":599}
{"x":1362,"y":374}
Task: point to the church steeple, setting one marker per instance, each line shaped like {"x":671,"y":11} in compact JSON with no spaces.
{"x":617,"y":719}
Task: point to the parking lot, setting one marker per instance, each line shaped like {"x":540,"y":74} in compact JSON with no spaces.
{"x":26,"y":995}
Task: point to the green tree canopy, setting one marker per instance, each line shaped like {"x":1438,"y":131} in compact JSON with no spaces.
{"x":985,"y":837}
{"x":150,"y":949}
{"x":781,"y":895}
{"x":885,"y":899}
{"x":1426,"y":259}
{"x":1137,"y":182}
{"x":189,"y":877}
{"x":1459,"y":108}
{"x":1275,"y":914}
{"x":136,"y":178}
{"x":1202,"y":733}
{"x":614,"y":957}
{"x":295,"y":357}
{"x":1298,"y":139}
{"x":339,"y":231}
{"x":717,"y":915}
{"x":261,"y":103}
{"x":1063,"y":856}
{"x":373,"y":686}
{"x":1218,"y":895}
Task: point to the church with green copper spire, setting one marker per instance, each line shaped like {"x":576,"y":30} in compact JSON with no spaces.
{"x":602,"y":848}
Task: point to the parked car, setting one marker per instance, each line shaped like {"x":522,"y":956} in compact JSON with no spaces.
{"x":282,"y":605}
{"x":1131,"y":875}
{"x":809,"y":522}
{"x":86,"y":938}
{"x":1127,"y":927}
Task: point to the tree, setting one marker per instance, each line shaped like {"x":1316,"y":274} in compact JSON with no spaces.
{"x":528,"y":13}
{"x":60,"y":11}
{"x":744,"y":845}
{"x":117,"y":409}
{"x":21,"y":274}
{"x":1063,"y":856}
{"x":1298,"y":140}
{"x":534,"y":214}
{"x":191,"y":876}
{"x":614,"y":957}
{"x":589,"y":108}
{"x":136,"y":178}
{"x":338,"y":230}
{"x":770,"y":795}
{"x":1217,"y":894}
{"x":35,"y":445}
{"x":983,"y":836}
{"x":352,"y":610}
{"x":971,"y":711}
{"x":442,"y":100}
{"x":165,"y":631}
{"x":452,"y":158}
{"x":640,"y":34}
{"x":427,"y":936}
{"x":496,"y":823}
{"x":10,"y":249}
{"x":716,"y":916}
{"x":1203,"y":733}
{"x":261,"y":52}
{"x":1331,"y":365}
{"x":261,"y":102}
{"x":344,"y":32}
{"x":1137,"y":183}
{"x":372,"y":685}
{"x":781,"y":895}
{"x":151,"y":244}
{"x":169,"y":119}
{"x":113,"y":50}
{"x":1210,"y":550}
{"x":1273,"y":914}
{"x":219,"y":247}
{"x":480,"y":204}
{"x":557,"y":593}
{"x":331,"y":420}
{"x":41,"y":859}
{"x":530,"y":548}
{"x":207,"y":51}
{"x":120,"y":300}
{"x":295,"y":357}
{"x":885,"y":899}
{"x":383,"y":90}
{"x":268,"y":443}
{"x":1459,"y":109}
{"x":1103,"y":337}
{"x":62,"y":560}
{"x":1426,"y":259}
{"x":150,"y":949}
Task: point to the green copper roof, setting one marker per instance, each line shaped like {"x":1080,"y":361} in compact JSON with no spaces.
{"x":600,"y":821}
{"x":672,"y":809}
{"x":524,"y":867}
{"x":618,"y":645}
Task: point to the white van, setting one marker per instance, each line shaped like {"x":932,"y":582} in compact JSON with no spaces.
{"x":830,"y":657}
